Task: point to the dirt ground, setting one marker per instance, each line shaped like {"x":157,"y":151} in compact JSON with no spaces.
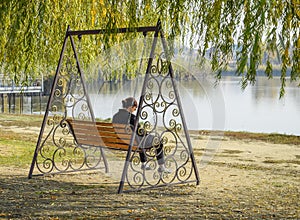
{"x":240,"y":179}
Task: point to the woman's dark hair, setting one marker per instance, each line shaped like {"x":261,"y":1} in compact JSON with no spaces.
{"x":129,"y":102}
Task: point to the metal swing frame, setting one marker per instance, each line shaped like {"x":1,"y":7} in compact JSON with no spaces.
{"x":188,"y":150}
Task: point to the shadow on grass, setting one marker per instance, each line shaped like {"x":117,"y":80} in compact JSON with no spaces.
{"x":51,"y":198}
{"x":43,"y":198}
{"x":80,"y":196}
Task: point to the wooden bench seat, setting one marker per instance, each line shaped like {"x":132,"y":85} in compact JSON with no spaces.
{"x":101,"y":134}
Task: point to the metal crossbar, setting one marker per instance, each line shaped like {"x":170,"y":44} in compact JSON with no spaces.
{"x":112,"y":31}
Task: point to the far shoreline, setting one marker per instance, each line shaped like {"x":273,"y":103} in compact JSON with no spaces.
{"x":274,"y":138}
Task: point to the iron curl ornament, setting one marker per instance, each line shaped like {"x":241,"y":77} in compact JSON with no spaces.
{"x":161,"y":117}
{"x":58,"y":152}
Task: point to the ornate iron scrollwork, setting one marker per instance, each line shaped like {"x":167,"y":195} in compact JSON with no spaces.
{"x":161,"y":118}
{"x":59,"y":151}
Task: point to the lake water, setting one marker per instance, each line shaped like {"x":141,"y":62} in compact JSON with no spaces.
{"x":225,"y":106}
{"x":222,"y":107}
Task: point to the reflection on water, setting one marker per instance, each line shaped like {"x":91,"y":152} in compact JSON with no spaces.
{"x":259,"y":108}
{"x":224,"y":107}
{"x":21,"y":104}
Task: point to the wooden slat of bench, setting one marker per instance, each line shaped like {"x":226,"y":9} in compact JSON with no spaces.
{"x":101,"y":134}
{"x":115,"y":140}
{"x":116,"y":128}
{"x":102,"y":140}
{"x":103,"y":127}
{"x":111,"y":145}
{"x":119,"y":146}
{"x":91,"y":125}
{"x":98,"y":124}
{"x":109,"y":142}
{"x":114,"y":135}
{"x":89,"y":142}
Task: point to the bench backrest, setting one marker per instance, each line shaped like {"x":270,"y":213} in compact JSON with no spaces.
{"x":102,"y":134}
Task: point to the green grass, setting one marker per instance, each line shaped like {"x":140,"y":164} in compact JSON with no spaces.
{"x":16,"y":152}
{"x":270,"y":138}
{"x":239,"y":135}
{"x":16,"y":149}
{"x":21,"y":120}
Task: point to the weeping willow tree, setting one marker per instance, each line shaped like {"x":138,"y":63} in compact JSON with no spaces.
{"x":32,"y":31}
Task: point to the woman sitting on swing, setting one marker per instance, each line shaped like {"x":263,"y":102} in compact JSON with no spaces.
{"x":126,"y":116}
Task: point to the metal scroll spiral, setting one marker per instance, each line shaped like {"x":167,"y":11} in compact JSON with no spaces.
{"x":58,"y":151}
{"x":161,"y":118}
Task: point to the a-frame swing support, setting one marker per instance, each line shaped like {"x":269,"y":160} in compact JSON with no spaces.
{"x":187,"y":149}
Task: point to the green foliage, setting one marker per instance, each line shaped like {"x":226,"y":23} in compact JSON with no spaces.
{"x":32,"y":31}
